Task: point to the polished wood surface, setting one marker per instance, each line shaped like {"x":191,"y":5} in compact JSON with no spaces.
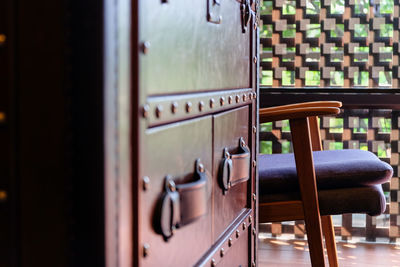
{"x":327,"y":224}
{"x":330,"y":243}
{"x":332,"y":104}
{"x":281,"y":211}
{"x":282,"y":252}
{"x":296,"y":113}
{"x":306,"y":174}
{"x":299,"y":110}
{"x":316,"y":141}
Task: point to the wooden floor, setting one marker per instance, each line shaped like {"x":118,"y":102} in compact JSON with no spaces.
{"x":274,"y":252}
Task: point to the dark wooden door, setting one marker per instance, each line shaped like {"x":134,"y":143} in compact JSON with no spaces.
{"x":194,"y":101}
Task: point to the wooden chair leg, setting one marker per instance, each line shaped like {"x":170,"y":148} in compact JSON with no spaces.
{"x":329,"y":233}
{"x":327,"y":225}
{"x":308,"y":188}
{"x":315,"y":242}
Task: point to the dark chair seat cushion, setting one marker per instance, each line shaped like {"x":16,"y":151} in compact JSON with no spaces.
{"x":366,"y":199}
{"x":334,"y":169}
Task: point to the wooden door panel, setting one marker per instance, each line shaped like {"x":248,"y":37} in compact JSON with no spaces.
{"x":184,"y":52}
{"x":238,"y":255}
{"x":229,"y":127}
{"x":172,"y":150}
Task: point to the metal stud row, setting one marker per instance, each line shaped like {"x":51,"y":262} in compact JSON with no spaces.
{"x":174,"y":106}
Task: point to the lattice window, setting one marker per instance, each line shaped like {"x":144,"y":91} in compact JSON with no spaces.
{"x":330,"y":43}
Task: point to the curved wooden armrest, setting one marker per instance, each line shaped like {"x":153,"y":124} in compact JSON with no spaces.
{"x":268,"y":114}
{"x":315,"y":104}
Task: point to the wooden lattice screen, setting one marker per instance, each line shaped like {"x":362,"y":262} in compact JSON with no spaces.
{"x":330,"y":43}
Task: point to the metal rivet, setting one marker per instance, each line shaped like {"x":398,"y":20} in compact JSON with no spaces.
{"x":145,"y":111}
{"x":146,"y":248}
{"x":212,"y":101}
{"x":250,"y":219}
{"x":237,"y":233}
{"x":201,"y":105}
{"x":254,"y":163}
{"x":3,"y":195}
{"x":255,"y":25}
{"x":230,"y":242}
{"x":213,"y":263}
{"x":3,"y":39}
{"x":146,"y":183}
{"x":222,"y":100}
{"x":188,"y":106}
{"x":174,"y":107}
{"x":145,"y":47}
{"x":171,"y":185}
{"x":244,"y":225}
{"x":201,"y":167}
{"x":255,"y":59}
{"x":254,"y":95}
{"x":254,"y":129}
{"x":159,"y":110}
{"x":230,"y":99}
{"x":237,"y":99}
{"x":222,"y":252}
{"x":254,"y":197}
{"x":244,"y":97}
{"x":254,"y":232}
{"x":250,"y":96}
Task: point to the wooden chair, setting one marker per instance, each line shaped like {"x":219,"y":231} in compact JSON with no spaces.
{"x":349,"y":181}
